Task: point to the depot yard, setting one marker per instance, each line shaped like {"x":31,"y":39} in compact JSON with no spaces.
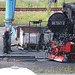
{"x":41,"y":66}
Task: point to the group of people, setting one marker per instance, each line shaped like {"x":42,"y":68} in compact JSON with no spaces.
{"x":6,"y":49}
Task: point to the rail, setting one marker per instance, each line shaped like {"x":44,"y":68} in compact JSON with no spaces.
{"x":33,"y":9}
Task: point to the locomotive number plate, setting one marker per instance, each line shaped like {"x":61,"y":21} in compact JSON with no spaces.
{"x":58,"y":22}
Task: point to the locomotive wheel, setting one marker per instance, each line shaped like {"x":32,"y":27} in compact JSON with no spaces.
{"x":73,"y":58}
{"x":55,"y":51}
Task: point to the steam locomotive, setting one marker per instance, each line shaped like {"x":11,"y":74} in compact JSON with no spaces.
{"x":62,"y":47}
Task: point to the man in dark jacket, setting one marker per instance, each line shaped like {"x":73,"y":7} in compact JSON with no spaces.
{"x":5,"y":41}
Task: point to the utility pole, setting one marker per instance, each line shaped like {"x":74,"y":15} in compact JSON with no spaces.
{"x":48,"y":1}
{"x":50,"y":7}
{"x":55,"y":1}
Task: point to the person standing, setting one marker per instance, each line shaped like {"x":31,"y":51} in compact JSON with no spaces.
{"x":5,"y":41}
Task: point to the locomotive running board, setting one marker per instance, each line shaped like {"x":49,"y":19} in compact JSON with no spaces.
{"x":57,"y":58}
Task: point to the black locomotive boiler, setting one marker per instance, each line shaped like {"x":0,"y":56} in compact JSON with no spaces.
{"x":62,"y":24}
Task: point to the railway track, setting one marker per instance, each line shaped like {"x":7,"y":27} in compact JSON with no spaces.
{"x":23,"y":58}
{"x":33,"y":9}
